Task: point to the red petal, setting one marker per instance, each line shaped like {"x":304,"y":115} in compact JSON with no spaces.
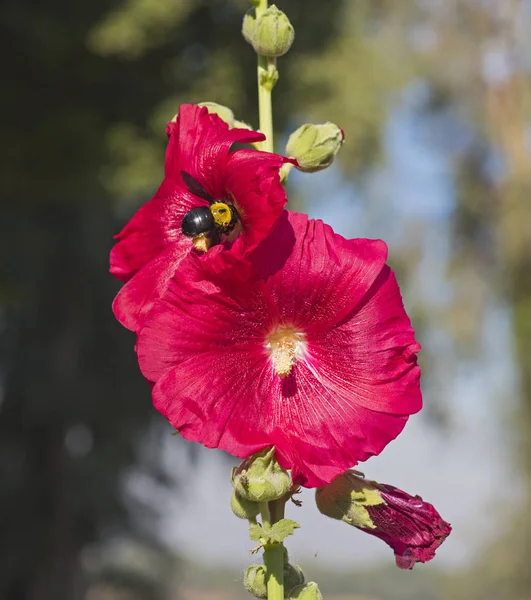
{"x":413,"y":528}
{"x":153,"y":228}
{"x":320,"y":433}
{"x":234,"y":418}
{"x":253,"y":179}
{"x":375,"y":345}
{"x":197,"y":315}
{"x":323,"y":275}
{"x":199,"y":144}
{"x":136,"y":297}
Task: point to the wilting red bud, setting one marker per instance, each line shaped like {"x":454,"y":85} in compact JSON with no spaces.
{"x":412,"y":527}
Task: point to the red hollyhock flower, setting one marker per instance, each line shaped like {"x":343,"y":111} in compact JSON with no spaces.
{"x":315,"y":355}
{"x":412,"y":527}
{"x":199,"y":170}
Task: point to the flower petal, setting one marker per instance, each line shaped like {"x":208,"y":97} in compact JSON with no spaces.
{"x":413,"y":528}
{"x":152,"y":229}
{"x":323,"y":275}
{"x":197,"y":315}
{"x":319,"y":433}
{"x":199,"y":144}
{"x":374,"y":347}
{"x":136,"y":297}
{"x":233,"y":418}
{"x":252,"y":178}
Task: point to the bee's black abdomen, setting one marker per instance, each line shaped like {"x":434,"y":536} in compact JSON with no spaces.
{"x":198,"y":220}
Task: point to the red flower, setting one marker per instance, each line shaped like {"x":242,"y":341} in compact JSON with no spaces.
{"x":199,"y":170}
{"x":412,"y":527}
{"x":315,"y":355}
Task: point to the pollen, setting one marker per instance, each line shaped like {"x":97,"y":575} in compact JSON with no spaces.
{"x":285,"y":346}
{"x":202,"y":242}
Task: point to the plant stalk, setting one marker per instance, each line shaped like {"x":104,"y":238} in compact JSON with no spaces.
{"x":273,"y":553}
{"x":266,"y":66}
{"x":273,"y":557}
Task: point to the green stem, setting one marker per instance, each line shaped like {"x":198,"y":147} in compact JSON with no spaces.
{"x":265,"y":72}
{"x":273,"y":557}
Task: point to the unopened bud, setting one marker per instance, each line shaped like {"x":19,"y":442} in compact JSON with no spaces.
{"x":249,"y":25}
{"x":260,"y":478}
{"x":308,"y":591}
{"x":412,"y":527}
{"x":315,"y":146}
{"x":272,"y":34}
{"x":255,"y":582}
{"x":293,"y":577}
{"x":223,"y":112}
{"x":242,"y":508}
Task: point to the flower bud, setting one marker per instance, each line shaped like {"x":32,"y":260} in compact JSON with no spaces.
{"x":308,"y":591}
{"x":223,"y":112}
{"x":255,"y":582}
{"x":260,"y":478}
{"x":412,"y":527}
{"x":293,"y":577}
{"x":242,"y":508}
{"x":315,"y":146}
{"x":272,"y":34}
{"x":249,"y":25}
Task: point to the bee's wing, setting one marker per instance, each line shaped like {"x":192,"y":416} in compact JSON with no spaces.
{"x":195,"y":187}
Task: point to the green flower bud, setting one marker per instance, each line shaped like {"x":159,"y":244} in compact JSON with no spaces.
{"x":249,"y":25}
{"x":242,"y":508}
{"x":260,"y":478}
{"x":272,"y":34}
{"x":254,"y":581}
{"x":308,"y":591}
{"x":315,"y":146}
{"x":223,"y":112}
{"x":293,"y":577}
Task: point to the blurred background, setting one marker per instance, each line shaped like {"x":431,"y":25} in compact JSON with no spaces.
{"x":98,"y":501}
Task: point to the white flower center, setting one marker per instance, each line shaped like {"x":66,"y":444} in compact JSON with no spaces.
{"x":285,"y":346}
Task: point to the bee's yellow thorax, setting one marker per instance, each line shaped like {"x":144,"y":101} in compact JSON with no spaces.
{"x":221,"y":213}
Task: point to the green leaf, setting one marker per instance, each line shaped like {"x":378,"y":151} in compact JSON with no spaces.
{"x":256,"y":532}
{"x":280,"y":531}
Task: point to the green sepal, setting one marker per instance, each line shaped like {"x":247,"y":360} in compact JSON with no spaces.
{"x":260,"y":478}
{"x":254,"y":581}
{"x":293,"y":577}
{"x":308,"y":591}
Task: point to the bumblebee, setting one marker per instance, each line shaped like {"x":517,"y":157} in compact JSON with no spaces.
{"x":206,"y":224}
